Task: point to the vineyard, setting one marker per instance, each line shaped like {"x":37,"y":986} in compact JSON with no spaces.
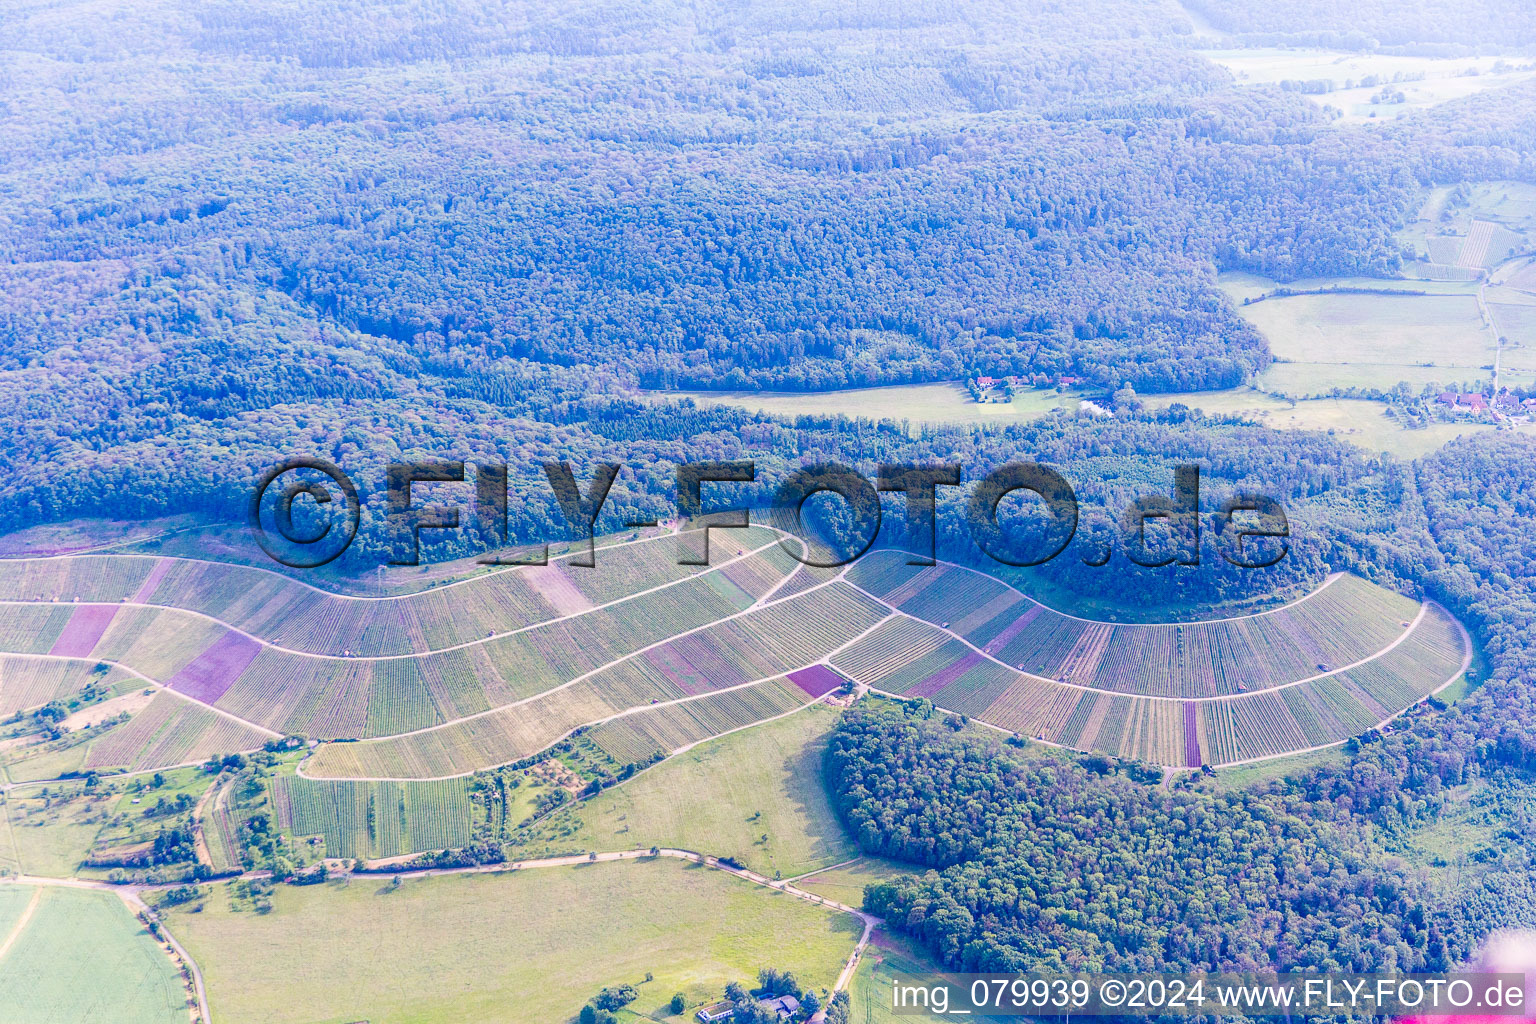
{"x":221,"y":832}
{"x":638,"y":737}
{"x":371,"y":820}
{"x":1337,"y":663}
{"x":170,"y":731}
{"x":29,"y":682}
{"x":649,"y":656}
{"x":757,"y":645}
{"x":1343,"y":622}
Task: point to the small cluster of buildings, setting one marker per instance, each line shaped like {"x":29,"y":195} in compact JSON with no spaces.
{"x":1506,"y":404}
{"x":783,"y":1008}
{"x":1064,"y":381}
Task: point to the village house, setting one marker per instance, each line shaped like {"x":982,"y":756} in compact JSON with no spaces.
{"x":1463,"y":402}
{"x":783,"y":1007}
{"x":716,"y":1012}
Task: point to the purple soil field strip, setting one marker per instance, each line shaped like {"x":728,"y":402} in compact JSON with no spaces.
{"x":557,"y":589}
{"x":152,"y":581}
{"x":817,"y":681}
{"x":1192,"y":756}
{"x":84,"y":628}
{"x":209,"y":675}
{"x":1012,"y":630}
{"x":679,"y":671}
{"x":942,"y":678}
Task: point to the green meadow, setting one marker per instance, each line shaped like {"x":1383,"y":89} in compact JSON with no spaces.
{"x":529,"y":945}
{"x":755,"y":795}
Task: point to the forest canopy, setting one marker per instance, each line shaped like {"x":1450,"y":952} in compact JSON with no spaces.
{"x":236,"y":232}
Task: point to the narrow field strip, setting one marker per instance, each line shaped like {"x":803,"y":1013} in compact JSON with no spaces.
{"x":21,"y":923}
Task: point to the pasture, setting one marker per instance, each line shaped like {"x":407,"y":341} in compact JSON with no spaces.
{"x":528,"y":945}
{"x":52,"y":829}
{"x":1443,"y":331}
{"x":50,"y":835}
{"x":82,"y":958}
{"x":721,"y":798}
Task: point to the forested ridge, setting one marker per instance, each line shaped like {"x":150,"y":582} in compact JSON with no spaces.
{"x":1046,"y":861}
{"x":238,"y":231}
{"x":1431,"y":27}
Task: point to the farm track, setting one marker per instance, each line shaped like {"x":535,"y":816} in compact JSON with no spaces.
{"x":21,"y":923}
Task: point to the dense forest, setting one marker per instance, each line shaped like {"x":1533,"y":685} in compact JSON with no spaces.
{"x":1045,"y":861}
{"x":236,"y":232}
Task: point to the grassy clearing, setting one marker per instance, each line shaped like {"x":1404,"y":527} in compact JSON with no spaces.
{"x":51,"y":829}
{"x":1440,"y":79}
{"x":722,"y":797}
{"x":846,"y":884}
{"x":915,"y":403}
{"x":83,"y":958}
{"x":1245,"y":775}
{"x":50,"y":835}
{"x":1460,"y":844}
{"x":1403,"y":330}
{"x":1363,"y":423}
{"x":1360,"y":421}
{"x":528,"y":946}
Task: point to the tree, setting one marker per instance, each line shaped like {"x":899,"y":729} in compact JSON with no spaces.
{"x":679,"y":1003}
{"x":615,"y":997}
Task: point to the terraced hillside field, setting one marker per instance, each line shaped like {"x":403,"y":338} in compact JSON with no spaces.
{"x":650,"y":657}
{"x":1342,"y":660}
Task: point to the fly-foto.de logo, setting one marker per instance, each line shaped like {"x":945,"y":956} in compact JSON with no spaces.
{"x":305,"y":512}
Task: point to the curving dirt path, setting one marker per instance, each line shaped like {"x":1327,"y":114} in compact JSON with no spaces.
{"x":21,"y":923}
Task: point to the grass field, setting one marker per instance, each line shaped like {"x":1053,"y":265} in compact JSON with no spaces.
{"x":721,"y":798}
{"x":846,"y":884}
{"x":887,"y":958}
{"x":1388,"y":330}
{"x":1441,"y":78}
{"x":49,"y":835}
{"x":1245,"y":775}
{"x":1358,"y":420}
{"x":917,"y":403}
{"x":84,"y":959}
{"x":524,"y":946}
